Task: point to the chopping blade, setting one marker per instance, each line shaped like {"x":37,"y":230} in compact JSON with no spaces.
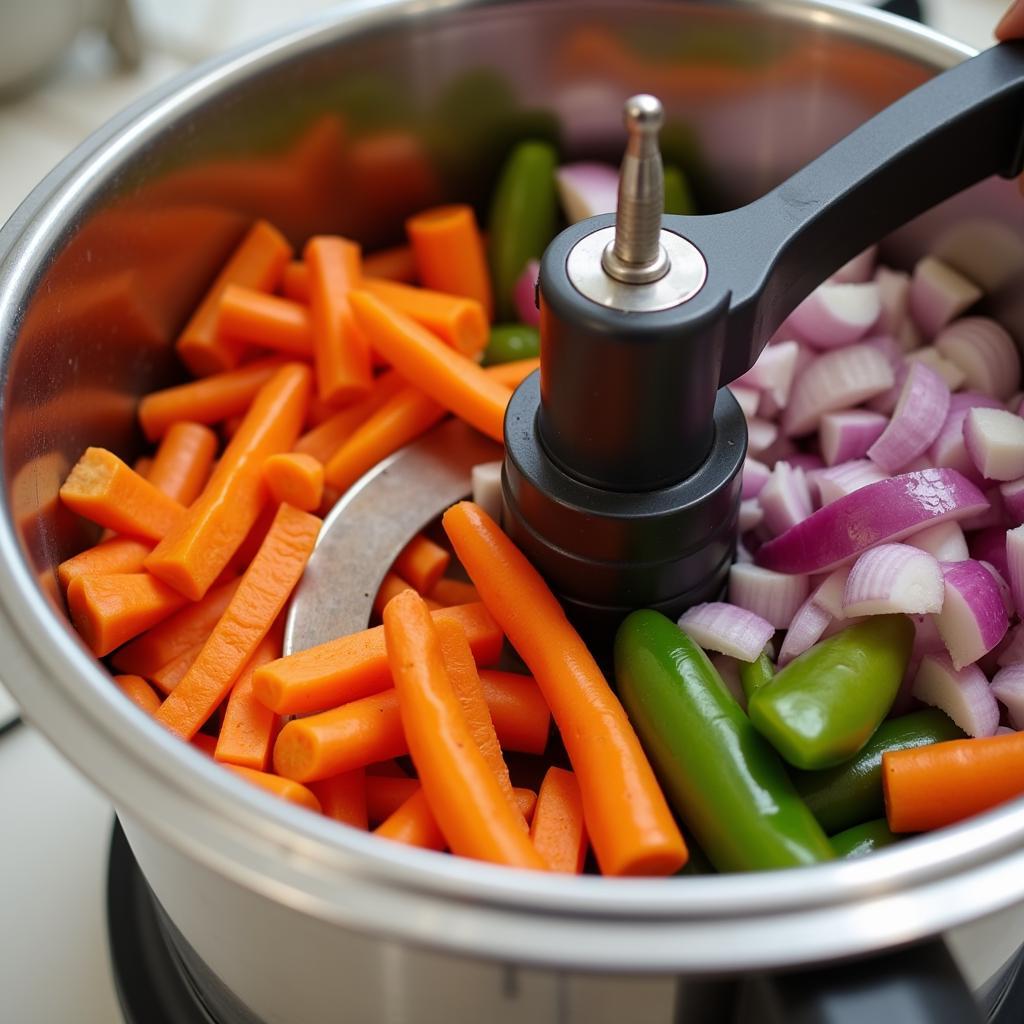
{"x":368,"y":527}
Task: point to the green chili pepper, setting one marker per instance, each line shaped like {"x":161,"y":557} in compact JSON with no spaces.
{"x":724,"y":780}
{"x":678,"y":197}
{"x":852,"y":792}
{"x":755,"y":674}
{"x":511,"y":341}
{"x":824,"y":705}
{"x":863,"y":839}
{"x":523,"y":218}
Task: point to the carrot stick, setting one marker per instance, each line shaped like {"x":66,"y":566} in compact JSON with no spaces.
{"x":318,"y":411}
{"x":296,"y":479}
{"x":422,"y":563}
{"x":195,"y":552}
{"x":630,"y":825}
{"x":249,"y":727}
{"x":183,"y":460}
{"x":257,"y":263}
{"x":343,"y":798}
{"x":139,"y":692}
{"x":401,"y":419}
{"x":176,"y":635}
{"x":119,"y":554}
{"x":256,"y":603}
{"x":467,"y":800}
{"x":210,"y":400}
{"x":448,"y":592}
{"x":450,"y":379}
{"x":167,"y":677}
{"x":104,"y":490}
{"x":557,"y":830}
{"x":366,"y":731}
{"x":930,"y":787}
{"x":295,"y":281}
{"x":389,"y":769}
{"x":395,"y":264}
{"x":517,"y":703}
{"x":204,"y":742}
{"x":284,"y":788}
{"x":254,"y":539}
{"x":109,"y":610}
{"x":245,"y":315}
{"x":390,"y":586}
{"x":385,"y":794}
{"x":459,"y":322}
{"x":449,"y":253}
{"x":512,"y":374}
{"x":340,"y":349}
{"x":356,"y":666}
{"x":143,"y":465}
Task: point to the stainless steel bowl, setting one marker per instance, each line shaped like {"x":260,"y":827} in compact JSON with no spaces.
{"x":346,"y":123}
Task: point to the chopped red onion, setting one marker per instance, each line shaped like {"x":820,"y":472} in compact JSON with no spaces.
{"x":836,"y":314}
{"x":780,"y":448}
{"x":755,"y":476}
{"x":972,"y":620}
{"x":729,"y":671}
{"x":994,"y":515}
{"x":806,"y":628}
{"x":587,"y":189}
{"x":1005,"y":593}
{"x":774,"y":371}
{"x":750,"y":516}
{"x":883,"y":512}
{"x":963,"y":694}
{"x":747,"y":398}
{"x":859,"y":269}
{"x":948,"y":448}
{"x":938,"y":293}
{"x":524,"y":294}
{"x":829,"y":594}
{"x":761,"y":435}
{"x":985,"y":353}
{"x":839,"y":481}
{"x":1008,"y":688}
{"x":1014,"y":565}
{"x":909,"y":337}
{"x":717,"y":626}
{"x":785,"y":499}
{"x":1013,"y":501}
{"x":486,"y":480}
{"x":947,"y":370}
{"x":994,"y":439}
{"x":894,"y":296}
{"x":916,"y":420}
{"x":990,"y":546}
{"x":849,"y":434}
{"x":774,"y":596}
{"x":893,"y":578}
{"x":945,"y":542}
{"x":807,"y":461}
{"x":1012,"y":652}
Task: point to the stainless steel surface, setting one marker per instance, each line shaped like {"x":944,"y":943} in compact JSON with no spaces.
{"x":373,"y":521}
{"x":406,"y":104}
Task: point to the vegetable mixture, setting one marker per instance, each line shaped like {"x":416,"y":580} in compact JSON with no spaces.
{"x":864,"y":680}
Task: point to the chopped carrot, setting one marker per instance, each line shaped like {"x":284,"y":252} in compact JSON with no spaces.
{"x":449,"y":253}
{"x":268,"y":321}
{"x":143,"y":465}
{"x":318,"y":411}
{"x":629,"y":823}
{"x":516,"y":701}
{"x":422,"y":563}
{"x":450,"y":379}
{"x":183,"y":461}
{"x":119,"y":554}
{"x":195,"y":552}
{"x":389,"y":768}
{"x":104,"y":490}
{"x":209,"y":400}
{"x":257,"y":602}
{"x":385,"y":794}
{"x":296,"y":479}
{"x":231,"y":426}
{"x":343,"y":798}
{"x":465,"y":796}
{"x":368,"y":730}
{"x":395,"y":264}
{"x":341,"y":353}
{"x":249,"y":727}
{"x":930,"y":787}
{"x":175,"y":635}
{"x":257,"y":263}
{"x":401,"y":419}
{"x":254,"y":539}
{"x":459,"y":322}
{"x":139,"y":692}
{"x":448,"y":592}
{"x":514,"y":373}
{"x":558,"y":831}
{"x":356,"y":666}
{"x":109,"y":610}
{"x":391,"y":585}
{"x":167,"y":677}
{"x":295,"y":281}
{"x":284,"y":788}
{"x":204,"y":742}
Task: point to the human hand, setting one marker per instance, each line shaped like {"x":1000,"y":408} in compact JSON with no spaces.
{"x":1012,"y":25}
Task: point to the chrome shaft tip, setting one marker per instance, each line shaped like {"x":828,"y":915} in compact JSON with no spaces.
{"x":643,"y":112}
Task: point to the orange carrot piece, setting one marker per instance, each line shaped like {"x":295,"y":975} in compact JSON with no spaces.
{"x":385,"y":794}
{"x":254,"y":539}
{"x":257,"y":263}
{"x":448,"y":592}
{"x":356,"y":666}
{"x":167,"y":677}
{"x":343,"y":798}
{"x":629,"y":823}
{"x":449,"y":253}
{"x":318,"y":411}
{"x":296,"y":479}
{"x":422,"y":563}
{"x":947,"y":782}
{"x":395,"y":264}
{"x":390,"y":586}
{"x":295,"y":282}
{"x":465,"y":796}
{"x":195,"y":552}
{"x":557,"y":830}
{"x":204,"y":742}
{"x":262,"y":593}
{"x":389,"y":769}
{"x":209,"y":400}
{"x":248,"y":316}
{"x":139,"y":692}
{"x":248,"y":730}
{"x":109,"y":610}
{"x":401,"y":419}
{"x":512,"y":374}
{"x":175,"y":635}
{"x":119,"y":554}
{"x":293,"y":792}
{"x":341,"y":352}
{"x":459,"y":322}
{"x":516,"y":702}
{"x":183,"y":460}
{"x":104,"y":490}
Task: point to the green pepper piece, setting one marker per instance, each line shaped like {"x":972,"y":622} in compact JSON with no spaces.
{"x":852,"y":792}
{"x":723,"y":779}
{"x":863,"y":839}
{"x":523,"y":218}
{"x":824,"y":705}
{"x":755,"y":674}
{"x":678,"y":197}
{"x":511,"y":341}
